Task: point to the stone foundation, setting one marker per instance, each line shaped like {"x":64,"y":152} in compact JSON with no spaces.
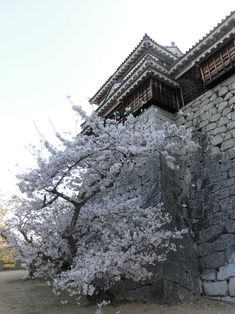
{"x":200,"y":196}
{"x":209,"y":185}
{"x":207,"y":190}
{"x":177,"y":279}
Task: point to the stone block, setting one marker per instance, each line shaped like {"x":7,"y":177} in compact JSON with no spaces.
{"x":218,"y":176}
{"x":213,"y":96}
{"x":203,"y":124}
{"x":231,"y":101}
{"x":228,"y":144}
{"x":231,"y":206}
{"x":209,"y":93}
{"x":219,"y":130}
{"x":218,"y":87}
{"x":231,"y":172}
{"x":217,"y":288}
{"x":210,"y":105}
{"x":226,"y":272}
{"x":213,"y":111}
{"x":224,"y":193}
{"x":195,"y":107}
{"x":215,"y":150}
{"x":208,"y":274}
{"x":231,"y":259}
{"x":229,"y":116}
{"x":231,"y":125}
{"x":214,"y":260}
{"x":227,"y":299}
{"x":217,"y":140}
{"x":230,"y":226}
{"x":188,"y":124}
{"x":205,"y":248}
{"x":227,"y":136}
{"x":212,"y":233}
{"x":215,"y":117}
{"x":224,"y":242}
{"x":231,"y":287}
{"x":198,"y":237}
{"x":181,"y":120}
{"x":228,"y":96}
{"x":233,"y":115}
{"x":226,"y":112}
{"x":223,"y":90}
{"x":218,"y":100}
{"x":199,"y":112}
{"x":226,"y":165}
{"x":205,"y":116}
{"x":217,"y":217}
{"x":170,"y":293}
{"x":223,"y":121}
{"x":227,"y":183}
{"x":222,"y":105}
{"x":220,"y":187}
{"x":232,"y":85}
{"x":205,"y":102}
{"x":211,"y":126}
{"x":231,"y":152}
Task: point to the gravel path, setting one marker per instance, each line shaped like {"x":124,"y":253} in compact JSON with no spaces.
{"x":19,"y":296}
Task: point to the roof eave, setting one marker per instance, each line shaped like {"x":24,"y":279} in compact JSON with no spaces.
{"x":144,"y":44}
{"x":202,"y":45}
{"x":124,"y":89}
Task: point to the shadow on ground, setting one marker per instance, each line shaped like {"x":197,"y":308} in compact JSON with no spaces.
{"x":20,"y":296}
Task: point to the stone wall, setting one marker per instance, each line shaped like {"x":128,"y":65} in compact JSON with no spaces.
{"x":200,"y":196}
{"x":154,"y":182}
{"x":209,"y":186}
{"x":154,"y":117}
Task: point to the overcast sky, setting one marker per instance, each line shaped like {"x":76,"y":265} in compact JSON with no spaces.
{"x":54,"y":48}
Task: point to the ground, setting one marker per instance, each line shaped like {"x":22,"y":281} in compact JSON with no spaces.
{"x":20,"y":296}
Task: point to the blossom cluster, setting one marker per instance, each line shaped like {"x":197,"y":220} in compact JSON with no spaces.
{"x":64,"y":233}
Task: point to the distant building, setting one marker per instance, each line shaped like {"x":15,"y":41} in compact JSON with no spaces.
{"x":7,"y":255}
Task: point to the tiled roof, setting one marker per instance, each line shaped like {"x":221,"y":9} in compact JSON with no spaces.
{"x":207,"y":41}
{"x":173,"y":66}
{"x":148,"y":66}
{"x":128,"y":63}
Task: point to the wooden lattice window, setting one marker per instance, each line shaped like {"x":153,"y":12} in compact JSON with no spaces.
{"x":166,"y":95}
{"x":132,"y":103}
{"x":150,"y":92}
{"x":219,"y":63}
{"x":191,"y":84}
{"x":139,"y":96}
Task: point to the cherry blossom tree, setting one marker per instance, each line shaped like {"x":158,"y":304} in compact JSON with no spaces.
{"x":68,"y":228}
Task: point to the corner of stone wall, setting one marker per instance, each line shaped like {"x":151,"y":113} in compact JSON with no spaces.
{"x":208,"y":181}
{"x":178,"y":278}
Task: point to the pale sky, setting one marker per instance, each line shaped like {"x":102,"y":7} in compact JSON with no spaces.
{"x":54,"y":48}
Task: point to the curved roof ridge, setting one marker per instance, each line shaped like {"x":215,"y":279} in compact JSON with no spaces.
{"x":209,"y":32}
{"x":144,"y":62}
{"x":146,"y":37}
{"x":138,"y":45}
{"x":203,"y":38}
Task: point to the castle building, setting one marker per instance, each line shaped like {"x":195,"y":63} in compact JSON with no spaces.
{"x":197,"y":90}
{"x":162,"y":76}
